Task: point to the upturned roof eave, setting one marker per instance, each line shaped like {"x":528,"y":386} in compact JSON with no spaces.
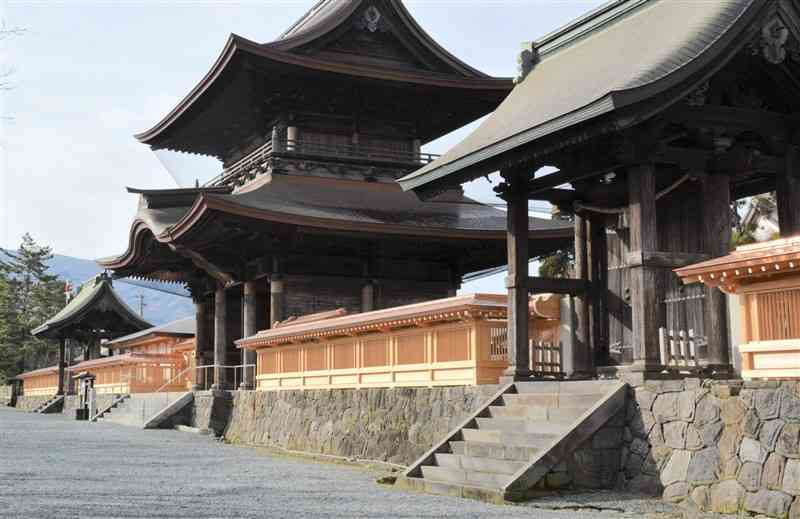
{"x":615,"y":108}
{"x":238,"y":44}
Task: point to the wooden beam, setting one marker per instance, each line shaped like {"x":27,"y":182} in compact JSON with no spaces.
{"x":663,"y":259}
{"x":763,"y":122}
{"x":202,"y":263}
{"x":538,"y":285}
{"x":567,"y":176}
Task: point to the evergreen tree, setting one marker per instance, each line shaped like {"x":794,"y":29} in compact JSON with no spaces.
{"x":29,"y":295}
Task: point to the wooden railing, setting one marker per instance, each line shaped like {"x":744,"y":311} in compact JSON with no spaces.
{"x":240,"y":171}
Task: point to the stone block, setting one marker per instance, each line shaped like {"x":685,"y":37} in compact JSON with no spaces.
{"x":729,"y":468}
{"x":726,"y":496}
{"x":645,"y":398}
{"x":732,"y":411}
{"x":794,"y":510}
{"x":772,"y":477}
{"x":770,"y":432}
{"x":686,"y":404}
{"x":633,"y":465}
{"x":729,"y":442}
{"x":645,"y":484}
{"x":675,"y":434}
{"x":641,"y":423}
{"x":751,"y":424}
{"x":707,"y":410}
{"x":790,"y":406}
{"x":751,"y":450}
{"x":607,"y":438}
{"x":665,"y":386}
{"x":791,"y":477}
{"x":710,"y":433}
{"x":767,"y":403}
{"x":789,"y":441}
{"x":665,"y":408}
{"x":676,"y":492}
{"x":769,"y":502}
{"x":750,"y":476}
{"x":640,"y":447}
{"x":703,"y":466}
{"x":694,"y":440}
{"x":676,"y":468}
{"x":558,"y":480}
{"x":700,"y":497}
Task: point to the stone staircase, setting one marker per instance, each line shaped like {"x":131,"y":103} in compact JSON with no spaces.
{"x":504,"y":450}
{"x":114,"y":404}
{"x":139,"y":408}
{"x":53,"y":405}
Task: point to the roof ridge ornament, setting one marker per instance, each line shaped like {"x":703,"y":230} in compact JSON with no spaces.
{"x":774,"y":36}
{"x":371,"y":20}
{"x":527,"y":59}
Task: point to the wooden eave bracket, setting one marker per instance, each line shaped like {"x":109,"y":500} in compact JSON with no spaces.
{"x":202,"y":263}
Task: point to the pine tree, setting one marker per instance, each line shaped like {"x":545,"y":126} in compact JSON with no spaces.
{"x":29,"y":295}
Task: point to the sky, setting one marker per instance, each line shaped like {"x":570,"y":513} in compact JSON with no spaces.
{"x":87,"y":75}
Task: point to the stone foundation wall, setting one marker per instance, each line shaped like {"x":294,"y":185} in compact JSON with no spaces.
{"x":396,"y":425}
{"x":104,"y":400}
{"x":31,"y":402}
{"x":5,"y":395}
{"x":717,"y":446}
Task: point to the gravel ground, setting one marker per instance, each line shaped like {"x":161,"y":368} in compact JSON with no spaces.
{"x":54,"y":467}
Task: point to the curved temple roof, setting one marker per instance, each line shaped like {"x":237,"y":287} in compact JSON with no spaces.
{"x":95,"y":301}
{"x":594,"y":69}
{"x":181,"y":328}
{"x":325,"y":18}
{"x":335,"y":204}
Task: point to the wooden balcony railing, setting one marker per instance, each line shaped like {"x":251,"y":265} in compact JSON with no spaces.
{"x":238,"y":172}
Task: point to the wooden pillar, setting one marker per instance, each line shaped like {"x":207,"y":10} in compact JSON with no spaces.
{"x":200,"y":338}
{"x":368,"y":296}
{"x":220,"y":337}
{"x":787,"y":190}
{"x":581,"y":340}
{"x":517,"y":280}
{"x":249,"y":328}
{"x":716,"y":230}
{"x":62,"y":365}
{"x":598,"y":275}
{"x":276,"y":288}
{"x":643,"y":279}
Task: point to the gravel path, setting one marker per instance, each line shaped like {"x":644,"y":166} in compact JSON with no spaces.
{"x":54,"y":467}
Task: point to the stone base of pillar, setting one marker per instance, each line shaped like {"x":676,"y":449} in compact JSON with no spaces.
{"x":517,"y":376}
{"x":582,"y":375}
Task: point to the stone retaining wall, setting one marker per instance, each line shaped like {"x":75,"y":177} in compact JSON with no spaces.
{"x":5,"y":395}
{"x":396,"y":425}
{"x":104,"y":400}
{"x":31,"y":402}
{"x":717,"y":446}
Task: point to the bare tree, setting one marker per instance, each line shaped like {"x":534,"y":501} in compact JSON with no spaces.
{"x":7,"y":32}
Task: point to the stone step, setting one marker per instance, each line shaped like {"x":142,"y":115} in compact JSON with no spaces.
{"x":522,"y":425}
{"x":571,"y":386}
{"x":522,"y":439}
{"x":448,"y":475}
{"x":552,"y":414}
{"x":493,"y":465}
{"x":559,"y":400}
{"x":494,"y":450}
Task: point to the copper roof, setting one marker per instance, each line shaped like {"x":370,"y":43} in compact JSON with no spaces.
{"x":180,"y":328}
{"x":619,"y":55}
{"x":758,"y":260}
{"x":126,"y":359}
{"x":95,"y":296}
{"x":338,"y":204}
{"x":50,"y":370}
